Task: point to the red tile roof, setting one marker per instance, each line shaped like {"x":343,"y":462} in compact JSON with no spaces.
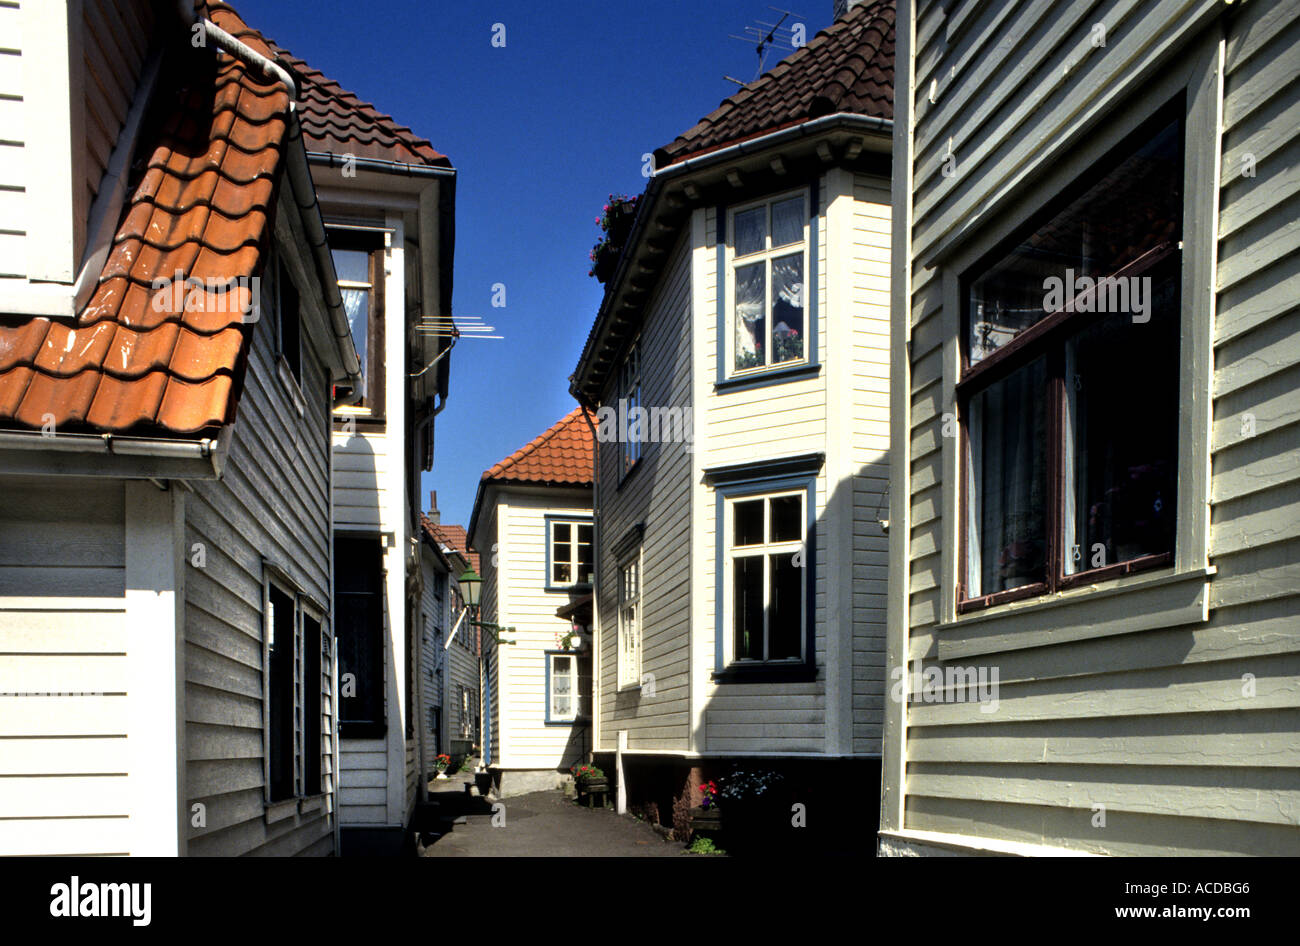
{"x":203,"y":191}
{"x":561,"y":456}
{"x":337,"y":121}
{"x":847,"y":67}
{"x":454,"y":537}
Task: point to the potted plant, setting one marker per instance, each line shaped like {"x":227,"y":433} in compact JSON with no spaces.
{"x":589,"y":779}
{"x":441,"y":764}
{"x":616,"y":224}
{"x":707,"y":816}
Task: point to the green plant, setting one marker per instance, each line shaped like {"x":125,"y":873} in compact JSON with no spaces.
{"x":616,"y":225}
{"x":703,"y":845}
{"x":584,"y":772}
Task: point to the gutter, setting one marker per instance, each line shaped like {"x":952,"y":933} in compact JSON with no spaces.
{"x":807,"y":129}
{"x":109,"y":444}
{"x":330,"y":160}
{"x":304,"y":193}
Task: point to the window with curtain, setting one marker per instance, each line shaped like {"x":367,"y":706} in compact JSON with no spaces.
{"x":768,"y":285}
{"x":1069,"y":389}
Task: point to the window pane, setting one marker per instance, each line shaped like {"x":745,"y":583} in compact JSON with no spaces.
{"x":787,"y":519}
{"x":785,"y":617}
{"x":562,"y":571}
{"x":560,"y":669}
{"x":751,"y":229}
{"x":352,"y":265}
{"x":356,"y":303}
{"x":787,"y":308}
{"x":562,"y":532}
{"x":586,"y":557}
{"x":1124,"y":458}
{"x":787,"y":222}
{"x":1133,"y":208}
{"x":751,"y":305}
{"x":748,"y":529}
{"x":747,"y":608}
{"x":1009,"y":472}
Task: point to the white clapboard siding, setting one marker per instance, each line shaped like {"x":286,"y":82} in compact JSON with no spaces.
{"x":63,"y":703}
{"x":271,"y":504}
{"x":527,"y":740}
{"x":1186,"y":734}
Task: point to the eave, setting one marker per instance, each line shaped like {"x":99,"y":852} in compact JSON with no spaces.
{"x":783,"y":158}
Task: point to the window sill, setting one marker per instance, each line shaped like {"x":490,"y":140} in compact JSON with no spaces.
{"x":280,"y":810}
{"x":580,"y":588}
{"x":311,"y":803}
{"x":1116,"y":606}
{"x":771,"y":376}
{"x":767,"y":673}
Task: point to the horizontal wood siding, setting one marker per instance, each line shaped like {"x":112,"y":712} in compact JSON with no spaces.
{"x":270,"y":505}
{"x":528,"y":741}
{"x":63,"y":668}
{"x":657,"y":494}
{"x":13,"y":155}
{"x":870,"y":451}
{"x":1183,"y":739}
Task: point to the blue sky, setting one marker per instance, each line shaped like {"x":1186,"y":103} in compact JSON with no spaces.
{"x":541,"y":132}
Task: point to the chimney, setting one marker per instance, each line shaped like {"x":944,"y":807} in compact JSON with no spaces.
{"x":844,"y":6}
{"x":434,"y":516}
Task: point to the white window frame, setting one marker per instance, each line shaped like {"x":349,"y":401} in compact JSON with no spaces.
{"x":766,"y":550}
{"x":629,"y":659}
{"x":573,"y":562}
{"x":552,"y":676}
{"x":727,"y":346}
{"x":274,"y":578}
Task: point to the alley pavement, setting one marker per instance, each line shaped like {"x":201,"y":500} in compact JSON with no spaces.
{"x":543,"y":824}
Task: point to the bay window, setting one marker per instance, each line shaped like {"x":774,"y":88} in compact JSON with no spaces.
{"x":570,"y":552}
{"x":359,"y":265}
{"x":766,"y":595}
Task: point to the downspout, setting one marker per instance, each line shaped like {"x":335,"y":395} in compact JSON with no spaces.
{"x":304,"y":191}
{"x":588,"y":413}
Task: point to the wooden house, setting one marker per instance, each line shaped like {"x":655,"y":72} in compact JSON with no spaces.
{"x":1094,"y":498}
{"x":462,"y":693}
{"x":738,"y":370}
{"x":532,"y":527}
{"x":388,"y":201}
{"x":172,"y":345}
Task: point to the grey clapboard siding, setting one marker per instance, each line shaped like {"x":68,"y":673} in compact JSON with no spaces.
{"x":270,"y":504}
{"x":657,"y":493}
{"x":1185,"y":735}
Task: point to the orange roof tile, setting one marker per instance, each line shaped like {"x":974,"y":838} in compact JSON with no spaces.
{"x":560,"y":456}
{"x":454,"y":537}
{"x":202,"y":194}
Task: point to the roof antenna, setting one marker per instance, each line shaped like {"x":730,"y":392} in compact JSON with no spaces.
{"x":765,"y":35}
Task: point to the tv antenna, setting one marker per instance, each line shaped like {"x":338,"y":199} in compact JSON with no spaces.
{"x":765,"y":36}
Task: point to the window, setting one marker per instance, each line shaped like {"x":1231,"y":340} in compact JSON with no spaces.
{"x":562,"y":693}
{"x":295,"y":683}
{"x":359,"y":264}
{"x":766,"y":595}
{"x":282,"y":630}
{"x":571,"y":555}
{"x":358,"y":607}
{"x":466,"y":728}
{"x":288,"y":320}
{"x":312,"y":703}
{"x":1069,"y":393}
{"x":568,"y":686}
{"x":629,"y":622}
{"x":766,"y":283}
{"x":629,"y":392}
